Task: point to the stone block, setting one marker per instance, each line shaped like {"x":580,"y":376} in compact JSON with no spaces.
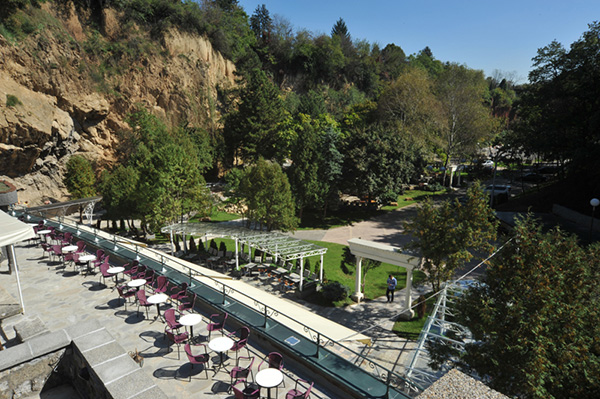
{"x":152,"y":393}
{"x":116,"y":368}
{"x":29,"y":328}
{"x":48,"y":343}
{"x":83,"y":328}
{"x":92,"y":340}
{"x":15,"y":355}
{"x":103,"y":353}
{"x":133,"y":384}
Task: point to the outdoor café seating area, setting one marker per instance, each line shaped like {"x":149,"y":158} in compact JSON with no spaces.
{"x":186,"y":349}
{"x":185,"y":320}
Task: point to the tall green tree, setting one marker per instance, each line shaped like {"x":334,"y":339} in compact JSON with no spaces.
{"x":534,"y":318}
{"x":253,"y":129}
{"x":467,"y":121}
{"x":119,"y":193}
{"x":449,"y":235}
{"x":80,"y":178}
{"x":266,"y":191}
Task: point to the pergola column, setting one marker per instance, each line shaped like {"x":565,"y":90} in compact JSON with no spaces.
{"x":301,"y":272}
{"x":237,"y":262}
{"x":409,"y":277}
{"x":321,"y":270}
{"x":358,"y":295}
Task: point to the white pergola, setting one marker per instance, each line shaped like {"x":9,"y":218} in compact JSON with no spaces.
{"x":62,"y":209}
{"x":384,"y":253}
{"x":280,"y":246}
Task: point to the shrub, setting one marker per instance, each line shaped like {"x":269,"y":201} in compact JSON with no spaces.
{"x":334,"y":291}
{"x":434,"y":187}
{"x":12,"y":101}
{"x":223,"y":247}
{"x":201,"y":246}
{"x":193,"y":247}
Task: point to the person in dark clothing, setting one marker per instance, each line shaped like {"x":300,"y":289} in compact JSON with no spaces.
{"x":391,"y":287}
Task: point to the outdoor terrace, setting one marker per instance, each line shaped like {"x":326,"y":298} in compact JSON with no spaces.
{"x":66,"y":293}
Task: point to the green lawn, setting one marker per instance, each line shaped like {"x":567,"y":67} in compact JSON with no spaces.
{"x":410,"y":197}
{"x":375,"y":284}
{"x":412,"y":328}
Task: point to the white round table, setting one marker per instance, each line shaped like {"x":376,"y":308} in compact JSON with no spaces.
{"x":190,"y":320}
{"x":44,"y":233}
{"x":157,"y":299}
{"x":220,"y":345}
{"x":88,"y":258}
{"x":136,"y":283}
{"x":269,"y":378}
{"x":70,"y":248}
{"x":115,"y":272}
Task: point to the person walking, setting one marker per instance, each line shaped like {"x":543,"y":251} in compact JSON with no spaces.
{"x":391,"y":287}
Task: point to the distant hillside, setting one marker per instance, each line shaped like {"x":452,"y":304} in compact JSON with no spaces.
{"x":68,"y":82}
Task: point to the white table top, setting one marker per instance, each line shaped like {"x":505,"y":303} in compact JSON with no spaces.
{"x":115,"y":270}
{"x":138,"y":282}
{"x":87,"y":258}
{"x":269,"y":378}
{"x":190,"y":319}
{"x":69,"y":248}
{"x":44,"y":232}
{"x":220,"y":344}
{"x":214,"y":258}
{"x":158,"y":298}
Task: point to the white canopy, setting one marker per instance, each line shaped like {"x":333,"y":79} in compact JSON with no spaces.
{"x":13,"y":230}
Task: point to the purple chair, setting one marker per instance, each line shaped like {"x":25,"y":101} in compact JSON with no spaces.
{"x":202,"y":358}
{"x":125,"y":293}
{"x":274,"y":360}
{"x":174,"y":338}
{"x":66,"y":238}
{"x":80,"y":247}
{"x":297,"y":393}
{"x":180,"y":292}
{"x":161,"y":284}
{"x":57,"y":251}
{"x":104,"y":271}
{"x":217,"y":323}
{"x":244,"y":333}
{"x":143,"y":301}
{"x":246,"y":393}
{"x":172,"y":320}
{"x":188,"y":303}
{"x":239,"y":373}
{"x":131,"y":269}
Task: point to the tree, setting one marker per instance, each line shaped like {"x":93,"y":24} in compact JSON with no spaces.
{"x":467,"y":121}
{"x":534,"y":317}
{"x":266,"y":191}
{"x":449,"y":234}
{"x":80,"y":180}
{"x":118,"y":188}
{"x":252,"y":131}
{"x":261,"y":24}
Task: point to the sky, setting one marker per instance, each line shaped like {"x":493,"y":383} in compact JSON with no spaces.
{"x":489,"y":35}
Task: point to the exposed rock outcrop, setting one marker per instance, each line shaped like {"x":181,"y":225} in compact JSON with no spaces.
{"x":54,"y":102}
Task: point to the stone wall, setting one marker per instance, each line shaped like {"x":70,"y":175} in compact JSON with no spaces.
{"x":30,"y":377}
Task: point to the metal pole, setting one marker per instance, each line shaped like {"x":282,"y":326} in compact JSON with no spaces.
{"x":13,"y":256}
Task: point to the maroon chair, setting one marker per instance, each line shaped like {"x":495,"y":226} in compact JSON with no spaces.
{"x":67,"y":238}
{"x":131,"y":269}
{"x":161,"y":284}
{"x":217,"y":323}
{"x":202,"y":358}
{"x":104,"y":271}
{"x":296,"y":393}
{"x":80,"y":247}
{"x":180,"y":292}
{"x":172,"y":320}
{"x":143,"y":301}
{"x":188,"y":303}
{"x":239,"y":373}
{"x":125,"y":293}
{"x":174,"y":338}
{"x":246,"y":393}
{"x":273,"y":360}
{"x":57,"y":251}
{"x":244,"y":333}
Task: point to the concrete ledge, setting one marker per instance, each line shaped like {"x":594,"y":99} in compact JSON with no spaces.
{"x":15,"y":355}
{"x":48,"y":343}
{"x":81,"y":329}
{"x":92,"y":340}
{"x":133,"y":384}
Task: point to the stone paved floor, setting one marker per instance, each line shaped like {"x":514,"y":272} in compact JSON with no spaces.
{"x":61,"y":297}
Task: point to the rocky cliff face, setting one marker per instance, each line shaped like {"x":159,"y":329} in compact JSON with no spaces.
{"x":55,"y":101}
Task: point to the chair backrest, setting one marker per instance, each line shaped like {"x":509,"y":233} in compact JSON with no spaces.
{"x":161,"y":283}
{"x":244,"y":332}
{"x":141,"y":296}
{"x":103,"y":269}
{"x":99,"y":254}
{"x":68,"y":236}
{"x":219,"y":319}
{"x":307,"y":394}
{"x":57,"y":249}
{"x":275,"y":360}
{"x":80,"y":246}
{"x":170,"y":317}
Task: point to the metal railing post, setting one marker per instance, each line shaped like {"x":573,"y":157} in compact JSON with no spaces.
{"x":318,"y":343}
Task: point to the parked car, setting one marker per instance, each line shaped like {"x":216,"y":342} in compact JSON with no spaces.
{"x":488,"y":163}
{"x":500,"y":192}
